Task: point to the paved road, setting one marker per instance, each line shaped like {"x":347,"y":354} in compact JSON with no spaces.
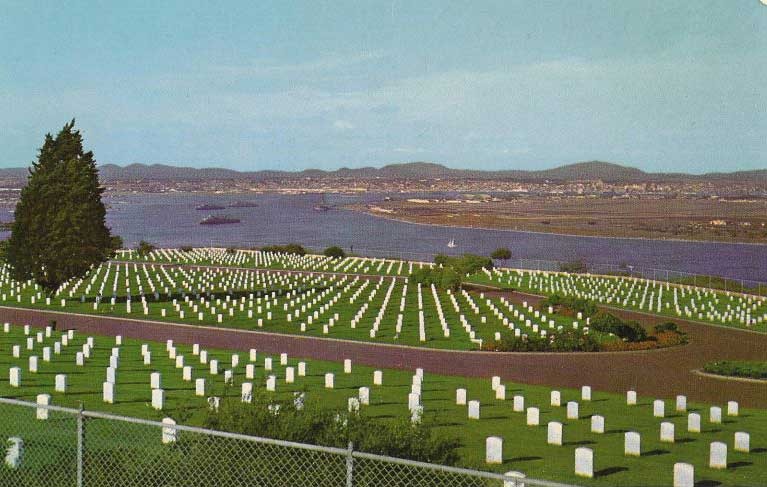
{"x":656,"y":373}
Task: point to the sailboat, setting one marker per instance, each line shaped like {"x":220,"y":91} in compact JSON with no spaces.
{"x":451,"y":244}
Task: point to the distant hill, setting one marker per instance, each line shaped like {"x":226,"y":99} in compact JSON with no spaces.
{"x":591,"y":170}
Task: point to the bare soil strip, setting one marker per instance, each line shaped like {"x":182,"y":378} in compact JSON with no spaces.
{"x":656,"y":373}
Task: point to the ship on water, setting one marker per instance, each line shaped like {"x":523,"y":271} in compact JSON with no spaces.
{"x":243,"y":204}
{"x":323,"y":206}
{"x":209,"y":207}
{"x":218,"y":220}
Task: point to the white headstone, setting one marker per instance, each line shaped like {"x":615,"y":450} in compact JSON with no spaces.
{"x":353,"y":405}
{"x":246,"y":392}
{"x":14,"y":375}
{"x":586,"y":393}
{"x":514,"y":479}
{"x":268,"y":363}
{"x":715,"y":415}
{"x":556,"y":398}
{"x":283,"y":359}
{"x":214,"y":367}
{"x":158,"y":399}
{"x":271,"y":383}
{"x":572,"y":410}
{"x":290,"y":375}
{"x":109,"y":392}
{"x":658,"y":408}
{"x":500,"y":392}
{"x":584,"y":462}
{"x":732,"y":408}
{"x":364,"y":395}
{"x":473,"y":409}
{"x":413,"y":401}
{"x":684,"y":475}
{"x":693,"y":423}
{"x":347,"y":366}
{"x":554,"y":433}
{"x":33,"y":364}
{"x":519,"y":404}
{"x":43,"y":400}
{"x":667,"y":432}
{"x":169,"y":432}
{"x":199,"y":387}
{"x":681,"y":403}
{"x":111,"y":375}
{"x":302,"y":369}
{"x":253,"y":354}
{"x":155,"y":380}
{"x":460,"y":397}
{"x":717,"y":455}
{"x":377,"y":378}
{"x":742,"y":442}
{"x":495,"y":381}
{"x":494,"y":450}
{"x":597,"y":424}
{"x":632,"y":444}
{"x":250,"y":371}
{"x":186,"y":373}
{"x":61,"y":383}
{"x":329,"y":380}
{"x":533,"y":416}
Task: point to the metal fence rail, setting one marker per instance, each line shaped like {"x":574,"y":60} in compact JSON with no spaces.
{"x":54,"y":446}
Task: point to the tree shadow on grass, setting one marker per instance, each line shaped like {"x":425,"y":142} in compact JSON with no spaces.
{"x":578,"y":443}
{"x":609,"y":471}
{"x":524,"y":459}
{"x":707,"y":483}
{"x":739,"y":464}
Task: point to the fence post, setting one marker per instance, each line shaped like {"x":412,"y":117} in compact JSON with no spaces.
{"x":80,"y":445}
{"x":350,"y":465}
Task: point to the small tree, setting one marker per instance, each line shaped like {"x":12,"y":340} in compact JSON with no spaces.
{"x":144,"y":248}
{"x":335,"y":252}
{"x":501,"y":253}
{"x":59,"y":230}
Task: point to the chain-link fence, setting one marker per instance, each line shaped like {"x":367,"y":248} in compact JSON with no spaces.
{"x":53,"y":446}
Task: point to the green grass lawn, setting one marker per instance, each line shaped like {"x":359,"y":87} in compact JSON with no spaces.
{"x":251,"y":291}
{"x":525,"y":448}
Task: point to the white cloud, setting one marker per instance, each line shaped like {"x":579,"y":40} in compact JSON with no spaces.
{"x":343,"y":125}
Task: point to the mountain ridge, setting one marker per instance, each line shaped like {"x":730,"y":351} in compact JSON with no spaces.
{"x":588,"y":170}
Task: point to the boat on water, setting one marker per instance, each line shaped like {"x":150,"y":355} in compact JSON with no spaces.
{"x":451,"y":244}
{"x":209,"y":207}
{"x":218,"y":220}
{"x":323,"y":206}
{"x":243,"y":204}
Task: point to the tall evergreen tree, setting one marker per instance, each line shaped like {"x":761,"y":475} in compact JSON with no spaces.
{"x":59,"y":230}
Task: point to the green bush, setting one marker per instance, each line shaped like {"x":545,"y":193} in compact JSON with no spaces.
{"x":186,"y":248}
{"x":144,"y":248}
{"x":666,"y":327}
{"x":441,"y":277}
{"x":335,"y":252}
{"x":396,"y":437}
{"x":629,"y":330}
{"x":574,"y":267}
{"x":501,"y":254}
{"x":738,"y":368}
{"x":564,"y":341}
{"x":585,"y":306}
{"x":292,"y":248}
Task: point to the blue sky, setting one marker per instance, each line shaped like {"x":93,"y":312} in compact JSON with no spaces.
{"x":663,"y":85}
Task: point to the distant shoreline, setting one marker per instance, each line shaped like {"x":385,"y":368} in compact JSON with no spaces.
{"x":534,"y":232}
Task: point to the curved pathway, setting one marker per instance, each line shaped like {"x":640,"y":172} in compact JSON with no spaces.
{"x":656,"y":373}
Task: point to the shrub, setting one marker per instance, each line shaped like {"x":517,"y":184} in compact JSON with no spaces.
{"x":335,"y":252}
{"x":144,"y":248}
{"x":629,"y":330}
{"x":501,"y":254}
{"x":441,"y":277}
{"x":321,"y":426}
{"x":585,"y":306}
{"x":668,"y":326}
{"x":292,"y":248}
{"x":574,"y":267}
{"x":186,"y":248}
{"x":231,"y":250}
{"x":564,"y":341}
